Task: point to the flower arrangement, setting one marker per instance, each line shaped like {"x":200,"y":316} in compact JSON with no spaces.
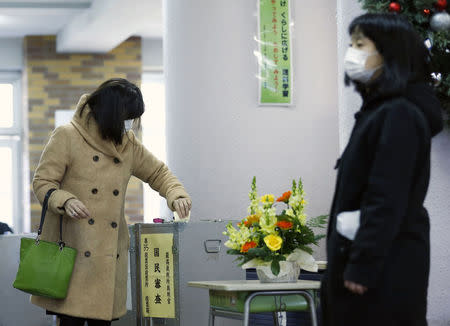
{"x":265,"y":238}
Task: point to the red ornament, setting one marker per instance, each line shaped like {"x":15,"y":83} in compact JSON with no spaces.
{"x":441,"y":5}
{"x":395,"y":7}
{"x":427,"y":12}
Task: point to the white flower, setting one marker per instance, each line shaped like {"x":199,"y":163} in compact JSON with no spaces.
{"x":295,"y":201}
{"x":290,"y":212}
{"x":232,"y":245}
{"x":244,"y":236}
{"x":268,"y":223}
{"x":302,"y":219}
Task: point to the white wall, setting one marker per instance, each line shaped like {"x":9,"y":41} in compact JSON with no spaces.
{"x":349,"y":101}
{"x":11,"y":54}
{"x":439,"y":207}
{"x":218,"y":138}
{"x":152,"y":54}
{"x":437,"y":200}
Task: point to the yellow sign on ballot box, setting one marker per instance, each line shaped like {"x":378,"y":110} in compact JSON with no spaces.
{"x":157,"y":275}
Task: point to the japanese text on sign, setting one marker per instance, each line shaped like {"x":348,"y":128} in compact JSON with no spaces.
{"x":157,"y":275}
{"x":275,"y":53}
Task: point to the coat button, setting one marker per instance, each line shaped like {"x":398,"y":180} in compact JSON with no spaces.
{"x":95,"y":158}
{"x":87,"y":254}
{"x":94,"y":191}
{"x":342,"y":249}
{"x":91,"y":221}
{"x":116,"y":160}
{"x":114,"y":225}
{"x":116,"y":192}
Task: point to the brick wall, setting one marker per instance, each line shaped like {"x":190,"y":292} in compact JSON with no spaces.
{"x":56,"y":81}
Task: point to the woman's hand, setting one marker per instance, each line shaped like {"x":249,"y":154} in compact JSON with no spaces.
{"x":76,"y":209}
{"x":182,"y":207}
{"x":355,"y":287}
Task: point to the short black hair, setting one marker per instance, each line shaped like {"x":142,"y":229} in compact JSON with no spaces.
{"x":113,"y":102}
{"x":406,"y":58}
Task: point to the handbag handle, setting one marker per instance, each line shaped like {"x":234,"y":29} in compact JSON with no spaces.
{"x":41,"y":224}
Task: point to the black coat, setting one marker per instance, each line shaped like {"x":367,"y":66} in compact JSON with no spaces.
{"x":384,"y":172}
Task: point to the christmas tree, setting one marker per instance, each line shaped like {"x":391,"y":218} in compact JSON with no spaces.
{"x":432,"y":20}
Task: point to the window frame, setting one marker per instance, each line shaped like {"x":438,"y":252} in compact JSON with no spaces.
{"x":153,"y":76}
{"x":15,"y":79}
{"x":13,"y":137}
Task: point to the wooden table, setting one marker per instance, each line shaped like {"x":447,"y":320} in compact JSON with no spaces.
{"x":255,"y":289}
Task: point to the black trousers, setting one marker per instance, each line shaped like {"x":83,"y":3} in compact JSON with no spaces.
{"x":356,"y":316}
{"x":75,"y":321}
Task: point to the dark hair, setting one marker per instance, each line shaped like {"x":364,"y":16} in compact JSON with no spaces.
{"x":406,"y":59}
{"x":113,"y":102}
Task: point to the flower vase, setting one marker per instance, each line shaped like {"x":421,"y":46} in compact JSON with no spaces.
{"x":289,"y":273}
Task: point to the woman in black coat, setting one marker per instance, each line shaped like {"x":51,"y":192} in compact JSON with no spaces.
{"x":378,"y":241}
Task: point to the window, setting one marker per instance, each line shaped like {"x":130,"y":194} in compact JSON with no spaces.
{"x":11,"y":195}
{"x":154,"y":135}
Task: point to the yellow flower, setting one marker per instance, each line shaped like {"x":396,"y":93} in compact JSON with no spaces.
{"x":273,"y":242}
{"x":267,"y":199}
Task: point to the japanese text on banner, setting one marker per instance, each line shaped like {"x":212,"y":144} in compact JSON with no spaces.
{"x":157,"y":277}
{"x":275,"y":52}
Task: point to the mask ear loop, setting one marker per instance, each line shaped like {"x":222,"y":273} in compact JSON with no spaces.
{"x":128,"y":124}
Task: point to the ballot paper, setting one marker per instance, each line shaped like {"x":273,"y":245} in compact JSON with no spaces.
{"x":177,"y":218}
{"x":347,"y":224}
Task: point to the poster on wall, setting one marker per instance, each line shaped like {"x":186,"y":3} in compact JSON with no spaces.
{"x":274,"y":52}
{"x":157,"y":276}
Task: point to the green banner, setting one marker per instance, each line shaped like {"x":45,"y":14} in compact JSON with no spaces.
{"x":275,"y":52}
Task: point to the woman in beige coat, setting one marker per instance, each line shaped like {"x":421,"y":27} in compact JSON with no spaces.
{"x":90,"y":162}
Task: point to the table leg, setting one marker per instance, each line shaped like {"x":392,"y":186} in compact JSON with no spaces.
{"x":275,"y":318}
{"x":305,"y":294}
{"x":211,"y":317}
{"x":312,"y":307}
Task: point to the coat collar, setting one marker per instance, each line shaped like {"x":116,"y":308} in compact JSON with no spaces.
{"x":89,"y":130}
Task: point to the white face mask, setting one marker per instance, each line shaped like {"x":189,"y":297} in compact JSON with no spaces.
{"x":355,"y":65}
{"x":128,"y":124}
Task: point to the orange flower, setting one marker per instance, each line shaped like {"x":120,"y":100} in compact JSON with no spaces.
{"x":285,"y":225}
{"x":248,"y":245}
{"x":252,"y":219}
{"x":285,"y":197}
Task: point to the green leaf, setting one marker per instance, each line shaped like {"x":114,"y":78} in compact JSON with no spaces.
{"x":307,"y":249}
{"x":319,"y":237}
{"x":318,"y":221}
{"x":245,"y":260}
{"x":275,"y":267}
{"x":257,"y":251}
{"x":233,"y":252}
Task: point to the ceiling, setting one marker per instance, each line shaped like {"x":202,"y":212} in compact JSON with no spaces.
{"x":82,"y":25}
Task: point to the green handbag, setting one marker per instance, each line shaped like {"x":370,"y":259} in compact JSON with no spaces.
{"x":45,"y":267}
